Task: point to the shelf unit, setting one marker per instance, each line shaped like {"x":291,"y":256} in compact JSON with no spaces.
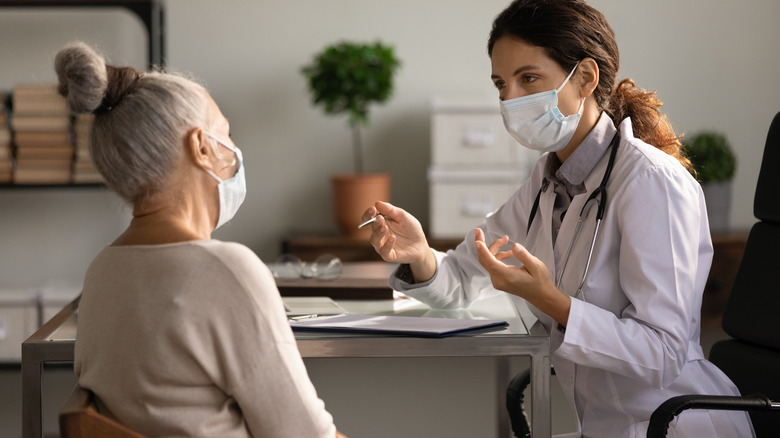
{"x":151,"y":14}
{"x":149,"y":11}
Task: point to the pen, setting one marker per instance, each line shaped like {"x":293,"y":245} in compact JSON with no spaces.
{"x":368,"y":222}
{"x":302,"y":317}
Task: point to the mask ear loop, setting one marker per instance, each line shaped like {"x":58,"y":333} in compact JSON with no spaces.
{"x":566,"y":81}
{"x":220,"y":142}
{"x":582,"y":105}
{"x":558,"y":90}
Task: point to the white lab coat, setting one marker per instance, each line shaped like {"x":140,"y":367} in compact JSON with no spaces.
{"x":632,"y":338}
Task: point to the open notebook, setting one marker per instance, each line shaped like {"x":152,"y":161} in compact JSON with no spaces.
{"x":396,"y":325}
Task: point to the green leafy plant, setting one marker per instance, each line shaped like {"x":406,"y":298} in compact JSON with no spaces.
{"x":712,"y":157}
{"x":346,"y":78}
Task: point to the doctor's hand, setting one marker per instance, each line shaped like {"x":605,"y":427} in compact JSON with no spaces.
{"x":398,"y":237}
{"x":531,"y":281}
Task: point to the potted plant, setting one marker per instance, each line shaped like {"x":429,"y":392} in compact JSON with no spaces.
{"x":347,"y":78}
{"x":714,"y":164}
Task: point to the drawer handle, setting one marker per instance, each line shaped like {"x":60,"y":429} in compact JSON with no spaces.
{"x":477,"y":137}
{"x":478,"y":208}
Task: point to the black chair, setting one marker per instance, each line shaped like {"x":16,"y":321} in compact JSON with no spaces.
{"x":751,"y":358}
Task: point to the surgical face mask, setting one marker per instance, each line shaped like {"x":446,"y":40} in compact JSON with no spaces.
{"x":232,"y":191}
{"x":536,"y":122}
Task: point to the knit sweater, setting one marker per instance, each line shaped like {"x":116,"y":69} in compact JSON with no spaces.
{"x":191,"y":339}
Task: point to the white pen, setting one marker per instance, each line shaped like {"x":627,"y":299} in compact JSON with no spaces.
{"x":368,"y":222}
{"x":302,"y":317}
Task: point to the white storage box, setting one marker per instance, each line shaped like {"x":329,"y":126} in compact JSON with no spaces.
{"x":470,"y":131}
{"x":460,"y":199}
{"x":18,"y":320}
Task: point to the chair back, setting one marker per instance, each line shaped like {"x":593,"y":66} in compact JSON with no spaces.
{"x":752,"y":358}
{"x":79,"y":419}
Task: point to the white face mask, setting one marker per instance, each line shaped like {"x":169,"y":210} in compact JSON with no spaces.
{"x":536,"y":122}
{"x":232,"y":191}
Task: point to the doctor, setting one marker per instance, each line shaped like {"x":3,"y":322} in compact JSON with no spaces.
{"x":608,"y":241}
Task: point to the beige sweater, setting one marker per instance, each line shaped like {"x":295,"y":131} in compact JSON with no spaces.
{"x":191,"y":339}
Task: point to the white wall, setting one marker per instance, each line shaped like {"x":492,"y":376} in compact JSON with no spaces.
{"x":713,"y":63}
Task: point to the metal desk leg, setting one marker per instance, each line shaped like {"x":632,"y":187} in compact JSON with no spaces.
{"x":541,"y":424}
{"x":32,"y":423}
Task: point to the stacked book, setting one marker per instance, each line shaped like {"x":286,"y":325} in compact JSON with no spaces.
{"x":5,"y":142}
{"x":84,"y":171}
{"x":42,"y":135}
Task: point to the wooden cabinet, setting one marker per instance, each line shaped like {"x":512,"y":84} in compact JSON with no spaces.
{"x":728,"y":250}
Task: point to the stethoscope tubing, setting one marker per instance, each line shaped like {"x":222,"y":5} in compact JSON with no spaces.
{"x":600,"y":196}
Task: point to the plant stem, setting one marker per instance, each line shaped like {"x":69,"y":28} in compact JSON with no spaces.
{"x":357,"y":146}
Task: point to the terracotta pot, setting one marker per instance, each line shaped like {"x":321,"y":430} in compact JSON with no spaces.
{"x":353,"y":194}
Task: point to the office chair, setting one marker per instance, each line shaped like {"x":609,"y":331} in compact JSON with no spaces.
{"x":80,"y":419}
{"x":751,"y":358}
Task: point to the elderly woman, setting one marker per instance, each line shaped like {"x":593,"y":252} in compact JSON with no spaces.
{"x":179,"y":334}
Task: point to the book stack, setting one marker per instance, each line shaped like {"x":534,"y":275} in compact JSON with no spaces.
{"x":42,"y":135}
{"x":84,"y":171}
{"x":5,"y":142}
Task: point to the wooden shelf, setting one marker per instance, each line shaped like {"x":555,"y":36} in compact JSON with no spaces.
{"x":150,"y":12}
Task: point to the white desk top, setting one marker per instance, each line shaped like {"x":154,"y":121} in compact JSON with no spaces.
{"x":498,"y":307}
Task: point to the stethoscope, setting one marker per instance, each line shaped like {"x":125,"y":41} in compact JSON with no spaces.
{"x":600,"y":196}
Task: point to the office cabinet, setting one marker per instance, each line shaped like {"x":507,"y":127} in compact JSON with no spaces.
{"x":463,"y":135}
{"x":475,"y":164}
{"x":461,"y":198}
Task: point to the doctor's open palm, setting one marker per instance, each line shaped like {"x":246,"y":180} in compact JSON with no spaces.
{"x":396,"y":235}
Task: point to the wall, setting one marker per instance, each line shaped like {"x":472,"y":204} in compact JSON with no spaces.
{"x":707,"y":59}
{"x":708,"y":65}
{"x":712,"y":61}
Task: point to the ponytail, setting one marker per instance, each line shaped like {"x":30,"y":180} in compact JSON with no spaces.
{"x":648,"y":122}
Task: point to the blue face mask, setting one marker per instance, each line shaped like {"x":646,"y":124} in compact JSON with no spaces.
{"x":536,"y":122}
{"x":232,"y":191}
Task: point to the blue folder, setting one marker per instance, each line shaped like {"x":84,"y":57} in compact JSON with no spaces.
{"x":396,"y":325}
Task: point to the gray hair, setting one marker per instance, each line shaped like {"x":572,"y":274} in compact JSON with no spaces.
{"x":140,"y":121}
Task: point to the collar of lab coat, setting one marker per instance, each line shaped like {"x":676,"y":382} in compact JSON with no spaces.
{"x":596,"y":144}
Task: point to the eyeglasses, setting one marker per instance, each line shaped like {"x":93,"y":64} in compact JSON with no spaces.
{"x":326,"y":267}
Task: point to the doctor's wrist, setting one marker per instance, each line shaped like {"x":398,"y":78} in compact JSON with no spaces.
{"x":556,"y":304}
{"x":424,"y":269}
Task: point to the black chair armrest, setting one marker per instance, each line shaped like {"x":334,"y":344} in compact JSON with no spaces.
{"x":514,"y":404}
{"x":664,"y":414}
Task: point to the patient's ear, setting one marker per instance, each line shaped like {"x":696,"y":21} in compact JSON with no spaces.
{"x":199,"y":150}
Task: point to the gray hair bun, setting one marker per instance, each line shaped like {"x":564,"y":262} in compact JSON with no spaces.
{"x":87,"y":83}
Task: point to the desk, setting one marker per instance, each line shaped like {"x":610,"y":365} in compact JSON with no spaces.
{"x":359,"y":281}
{"x":55,"y":340}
